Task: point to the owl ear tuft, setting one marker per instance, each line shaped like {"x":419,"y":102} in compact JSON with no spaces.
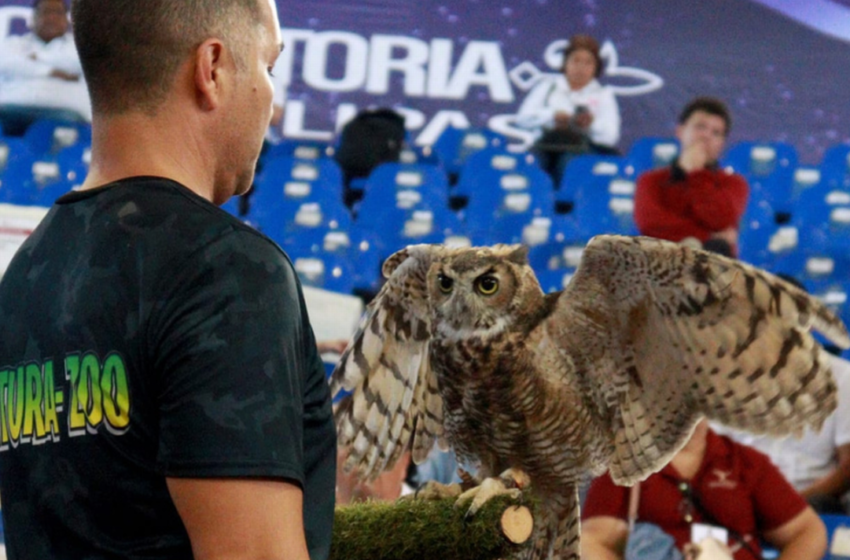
{"x":519,"y":255}
{"x":393,"y":261}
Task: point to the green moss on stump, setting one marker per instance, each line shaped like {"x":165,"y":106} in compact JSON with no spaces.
{"x":418,"y":529}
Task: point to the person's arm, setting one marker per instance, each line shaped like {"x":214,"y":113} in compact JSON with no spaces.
{"x":718,"y":199}
{"x":239,"y":518}
{"x":605,"y":128}
{"x":603,"y":538}
{"x":784,"y":518}
{"x":836,"y":482}
{"x":653,"y":217}
{"x":533,"y":113}
{"x":801,"y":538}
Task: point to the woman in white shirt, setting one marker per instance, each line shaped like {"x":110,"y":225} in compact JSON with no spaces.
{"x":572,"y":113}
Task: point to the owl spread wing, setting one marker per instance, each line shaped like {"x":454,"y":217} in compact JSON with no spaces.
{"x":661,"y":335}
{"x":394,"y":395}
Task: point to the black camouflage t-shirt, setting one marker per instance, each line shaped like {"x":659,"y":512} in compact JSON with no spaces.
{"x":146,"y":333}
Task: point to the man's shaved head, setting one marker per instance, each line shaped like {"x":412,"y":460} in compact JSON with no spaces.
{"x":131,"y":50}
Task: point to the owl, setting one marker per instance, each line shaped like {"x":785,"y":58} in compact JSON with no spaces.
{"x":461,"y":347}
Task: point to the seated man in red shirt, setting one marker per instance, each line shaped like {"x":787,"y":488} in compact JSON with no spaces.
{"x":695,"y":197}
{"x":712,"y":481}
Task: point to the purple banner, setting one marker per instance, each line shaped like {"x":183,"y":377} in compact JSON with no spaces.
{"x":779,"y":64}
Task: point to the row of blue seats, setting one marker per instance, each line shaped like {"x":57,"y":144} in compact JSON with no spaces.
{"x":450,"y":151}
{"x":503,"y":213}
{"x":54,"y":152}
{"x":501,"y":186}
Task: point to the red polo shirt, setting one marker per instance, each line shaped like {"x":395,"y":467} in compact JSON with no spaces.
{"x":737,"y":485}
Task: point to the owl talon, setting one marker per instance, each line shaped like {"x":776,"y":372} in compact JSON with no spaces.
{"x":484,"y":492}
{"x":433,"y":490}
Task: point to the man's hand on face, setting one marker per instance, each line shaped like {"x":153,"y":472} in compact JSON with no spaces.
{"x":694,"y":157}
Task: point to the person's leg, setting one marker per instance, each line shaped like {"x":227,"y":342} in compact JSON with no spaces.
{"x":546,"y":160}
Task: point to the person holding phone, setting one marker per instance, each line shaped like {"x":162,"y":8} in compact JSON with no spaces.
{"x":573,"y":113}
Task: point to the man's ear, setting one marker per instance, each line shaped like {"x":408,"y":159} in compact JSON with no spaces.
{"x":209,"y":63}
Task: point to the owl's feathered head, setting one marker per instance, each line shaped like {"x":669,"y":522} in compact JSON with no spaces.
{"x":481,"y":290}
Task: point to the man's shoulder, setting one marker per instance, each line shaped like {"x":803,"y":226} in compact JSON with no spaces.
{"x":164,"y":213}
{"x":655,"y":175}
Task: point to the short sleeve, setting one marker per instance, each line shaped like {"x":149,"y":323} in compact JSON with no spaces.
{"x":605,"y":499}
{"x":774,"y":499}
{"x":232,"y":349}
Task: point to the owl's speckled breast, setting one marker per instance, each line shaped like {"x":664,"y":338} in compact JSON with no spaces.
{"x":476,"y":384}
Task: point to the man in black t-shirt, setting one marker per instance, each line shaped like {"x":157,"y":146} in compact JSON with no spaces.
{"x":161,"y":395}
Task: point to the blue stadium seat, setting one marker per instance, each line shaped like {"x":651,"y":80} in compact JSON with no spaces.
{"x":326,"y":271}
{"x":651,"y":153}
{"x":835,"y":166}
{"x":15,"y":170}
{"x":74,"y":162}
{"x":556,"y":255}
{"x":504,"y":203}
{"x":299,"y":218}
{"x":607,"y":207}
{"x":402,"y":188}
{"x":297,"y":149}
{"x":565,"y":228}
{"x":769,"y":168}
{"x":287,"y":181}
{"x":455,"y":145}
{"x":554,"y":280}
{"x":47,"y":195}
{"x":586,"y":172}
{"x":498,"y":159}
{"x":833,"y":523}
{"x":761,"y":159}
{"x":818,"y":261}
{"x":368,"y":251}
{"x":501,"y":183}
{"x":423,"y":155}
{"x":23,"y":175}
{"x":805,"y":183}
{"x":50,"y":137}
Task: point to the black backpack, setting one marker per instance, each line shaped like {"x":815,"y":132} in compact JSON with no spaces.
{"x":369,"y":139}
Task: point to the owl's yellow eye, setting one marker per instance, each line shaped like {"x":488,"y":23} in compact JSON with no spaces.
{"x":487,"y":285}
{"x":445,"y":283}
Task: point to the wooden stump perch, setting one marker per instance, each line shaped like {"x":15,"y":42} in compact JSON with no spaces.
{"x":433,"y":529}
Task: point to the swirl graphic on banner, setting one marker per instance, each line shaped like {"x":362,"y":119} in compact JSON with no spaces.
{"x":526,"y":75}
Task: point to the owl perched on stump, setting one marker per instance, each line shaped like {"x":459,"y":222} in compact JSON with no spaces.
{"x":462,"y":347}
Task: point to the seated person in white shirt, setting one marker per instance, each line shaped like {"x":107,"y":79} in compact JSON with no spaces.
{"x":40,"y":72}
{"x":573,"y":113}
